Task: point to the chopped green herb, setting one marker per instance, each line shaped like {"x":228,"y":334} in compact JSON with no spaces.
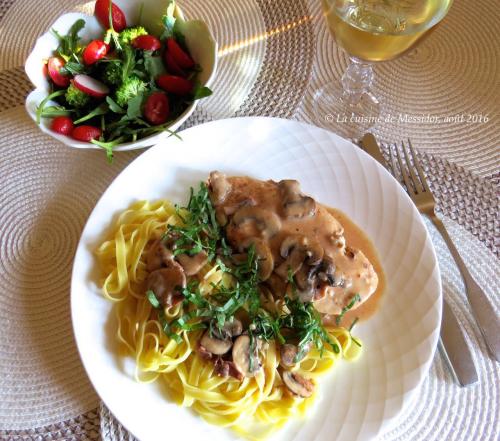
{"x":353,"y":323}
{"x":355,"y":299}
{"x":201,"y":232}
{"x":152,"y":299}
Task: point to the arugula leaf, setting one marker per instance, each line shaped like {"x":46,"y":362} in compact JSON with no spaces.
{"x":73,"y":68}
{"x":128,"y":62}
{"x":40,"y":108}
{"x":113,"y":106}
{"x":200,"y":92}
{"x":154,"y":66}
{"x":108,"y":146}
{"x":68,"y":45}
{"x":53,"y":111}
{"x":102,"y":109}
{"x":134,"y":107}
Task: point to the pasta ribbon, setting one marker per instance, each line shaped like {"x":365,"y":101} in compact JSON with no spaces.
{"x":254,"y":407}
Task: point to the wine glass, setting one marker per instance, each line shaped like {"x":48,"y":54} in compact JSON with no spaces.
{"x":370,"y":31}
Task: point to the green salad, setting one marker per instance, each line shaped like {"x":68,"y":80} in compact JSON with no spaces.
{"x":123,"y":87}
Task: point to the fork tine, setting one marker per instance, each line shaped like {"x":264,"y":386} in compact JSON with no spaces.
{"x":406,"y":178}
{"x":420,"y":170}
{"x":416,"y":182}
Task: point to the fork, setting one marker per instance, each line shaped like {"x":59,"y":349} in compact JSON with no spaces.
{"x":452,"y":343}
{"x":420,"y":193}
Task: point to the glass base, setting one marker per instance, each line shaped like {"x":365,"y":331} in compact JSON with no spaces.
{"x":349,"y":116}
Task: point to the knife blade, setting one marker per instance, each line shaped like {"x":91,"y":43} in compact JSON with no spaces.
{"x":453,"y":345}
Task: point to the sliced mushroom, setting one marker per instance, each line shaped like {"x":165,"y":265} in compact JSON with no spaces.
{"x":267,"y":222}
{"x":241,"y":356}
{"x":230,"y":329}
{"x":215,"y":345}
{"x":277,"y":285}
{"x":167,"y":284}
{"x":312,"y":280}
{"x":297,"y":249}
{"x":303,"y":207}
{"x":297,"y":384}
{"x":288,"y":353}
{"x":264,"y":256}
{"x":325,"y":271}
{"x":219,"y":187}
{"x":295,"y":204}
{"x":158,"y":256}
{"x":310,"y":246}
{"x":192,"y":264}
{"x":221,"y":217}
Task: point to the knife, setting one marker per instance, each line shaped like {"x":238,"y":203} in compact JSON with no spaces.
{"x":453,"y":345}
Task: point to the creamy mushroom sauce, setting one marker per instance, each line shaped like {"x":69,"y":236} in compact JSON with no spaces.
{"x":294,"y":235}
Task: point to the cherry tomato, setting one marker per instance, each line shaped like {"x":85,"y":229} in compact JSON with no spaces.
{"x":174,"y":84}
{"x":156,"y":109}
{"x":94,"y":51}
{"x":180,"y":56}
{"x":172,"y":66}
{"x":86,"y":133}
{"x":146,"y":43}
{"x":101,"y":11}
{"x":62,"y":125}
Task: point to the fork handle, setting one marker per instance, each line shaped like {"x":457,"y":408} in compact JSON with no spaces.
{"x":486,"y":318}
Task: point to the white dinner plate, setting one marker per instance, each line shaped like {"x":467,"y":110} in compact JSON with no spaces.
{"x":357,"y":400}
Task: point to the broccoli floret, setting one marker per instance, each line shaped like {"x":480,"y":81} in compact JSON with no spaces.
{"x":129,"y":89}
{"x":75,"y":97}
{"x":113,"y":73}
{"x":128,"y":34}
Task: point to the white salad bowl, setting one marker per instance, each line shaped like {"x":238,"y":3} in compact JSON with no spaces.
{"x":199,"y":41}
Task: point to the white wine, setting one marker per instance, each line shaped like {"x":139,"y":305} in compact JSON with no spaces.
{"x":378,"y":30}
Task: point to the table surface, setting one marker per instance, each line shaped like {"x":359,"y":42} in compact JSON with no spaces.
{"x":273,"y":55}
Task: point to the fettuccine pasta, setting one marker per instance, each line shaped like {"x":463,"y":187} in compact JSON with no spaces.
{"x":253,"y":406}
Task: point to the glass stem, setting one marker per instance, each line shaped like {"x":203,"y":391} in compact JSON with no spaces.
{"x":357,"y":80}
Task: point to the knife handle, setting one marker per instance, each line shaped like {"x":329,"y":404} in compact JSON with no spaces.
{"x":486,"y":318}
{"x":455,"y":349}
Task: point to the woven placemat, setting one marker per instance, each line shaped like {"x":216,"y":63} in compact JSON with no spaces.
{"x":454,"y":71}
{"x":273,"y":54}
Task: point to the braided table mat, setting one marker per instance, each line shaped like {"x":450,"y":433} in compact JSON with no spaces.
{"x":273,"y":54}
